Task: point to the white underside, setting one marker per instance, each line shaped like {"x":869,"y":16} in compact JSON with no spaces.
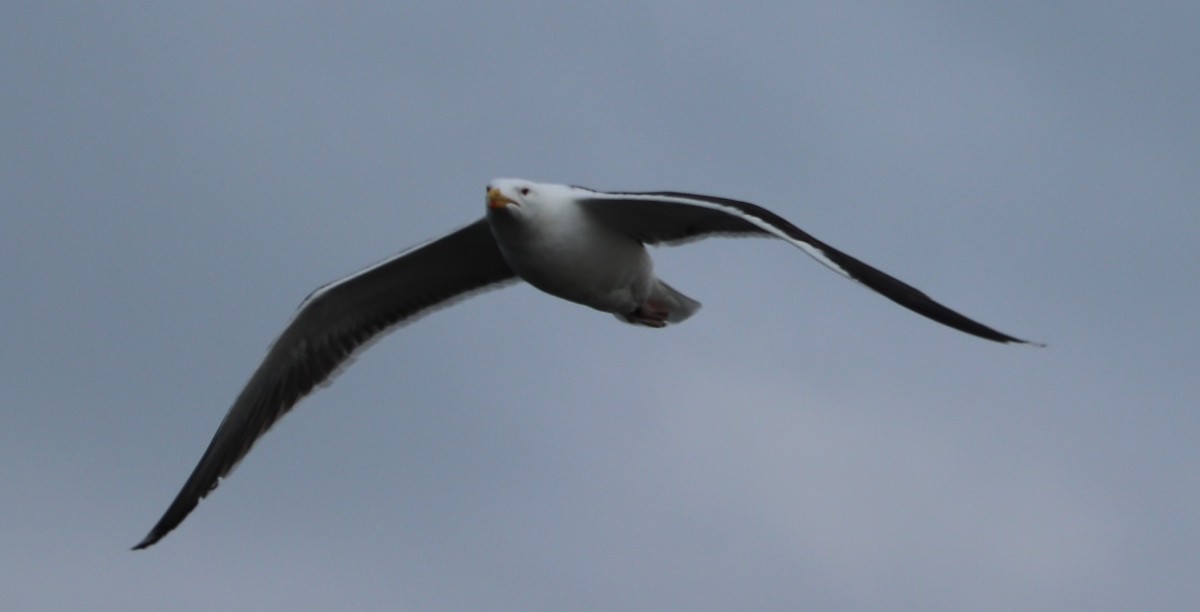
{"x":564,"y":255}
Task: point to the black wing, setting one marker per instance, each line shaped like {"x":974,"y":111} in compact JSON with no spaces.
{"x":670,"y":217}
{"x":330,"y":325}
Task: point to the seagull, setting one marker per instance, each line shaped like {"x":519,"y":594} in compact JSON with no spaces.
{"x":579,"y":244}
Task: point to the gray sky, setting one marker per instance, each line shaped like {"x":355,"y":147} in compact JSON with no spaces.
{"x":174,"y":180}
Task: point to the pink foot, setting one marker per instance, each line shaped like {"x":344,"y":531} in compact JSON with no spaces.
{"x":649,"y":314}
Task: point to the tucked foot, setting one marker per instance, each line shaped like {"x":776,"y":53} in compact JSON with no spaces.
{"x":649,"y":314}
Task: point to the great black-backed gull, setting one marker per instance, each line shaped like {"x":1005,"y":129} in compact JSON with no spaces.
{"x":579,"y":244}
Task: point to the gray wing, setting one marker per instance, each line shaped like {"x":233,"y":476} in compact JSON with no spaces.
{"x":670,"y":217}
{"x":330,"y":325}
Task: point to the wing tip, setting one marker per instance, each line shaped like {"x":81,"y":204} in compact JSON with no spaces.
{"x":148,"y":541}
{"x":1001,"y":337}
{"x":1028,"y":343}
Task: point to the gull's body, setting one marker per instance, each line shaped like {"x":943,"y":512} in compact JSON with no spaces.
{"x":581,"y":245}
{"x":558,"y":247}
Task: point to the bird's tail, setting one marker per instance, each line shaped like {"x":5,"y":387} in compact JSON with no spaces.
{"x":664,"y":305}
{"x":679,"y":306}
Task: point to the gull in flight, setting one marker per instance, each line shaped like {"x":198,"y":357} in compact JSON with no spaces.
{"x":578,"y":244}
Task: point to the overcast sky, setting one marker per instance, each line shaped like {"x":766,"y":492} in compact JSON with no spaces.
{"x":174,"y":180}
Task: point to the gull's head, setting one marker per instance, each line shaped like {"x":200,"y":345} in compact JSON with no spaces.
{"x":526,"y":198}
{"x":505,"y":194}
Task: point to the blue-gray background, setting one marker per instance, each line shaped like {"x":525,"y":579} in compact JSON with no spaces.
{"x":174,"y":180}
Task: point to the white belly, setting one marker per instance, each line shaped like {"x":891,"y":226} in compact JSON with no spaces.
{"x":577,"y":261}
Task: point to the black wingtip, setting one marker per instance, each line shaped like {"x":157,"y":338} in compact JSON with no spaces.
{"x":993,"y":335}
{"x":1028,"y":342}
{"x":147,"y":541}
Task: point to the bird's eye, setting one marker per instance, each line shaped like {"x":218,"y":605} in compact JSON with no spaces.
{"x":524,"y":191}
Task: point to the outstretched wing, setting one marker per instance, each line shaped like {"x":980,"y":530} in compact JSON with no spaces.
{"x":670,"y":217}
{"x":332,"y":324}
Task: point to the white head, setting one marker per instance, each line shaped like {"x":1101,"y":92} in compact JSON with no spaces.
{"x":526,"y":198}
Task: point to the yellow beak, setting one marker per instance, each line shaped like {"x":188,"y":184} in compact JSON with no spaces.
{"x":498,"y":200}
